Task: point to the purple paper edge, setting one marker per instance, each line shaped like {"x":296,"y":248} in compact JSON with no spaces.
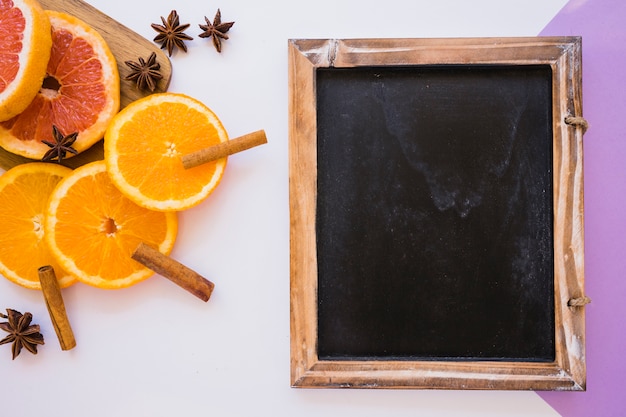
{"x":601,"y":25}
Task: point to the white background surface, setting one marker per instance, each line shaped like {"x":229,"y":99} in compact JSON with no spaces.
{"x":155,"y":350}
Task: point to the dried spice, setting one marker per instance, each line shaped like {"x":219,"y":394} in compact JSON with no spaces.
{"x":61,"y":146}
{"x":171,"y":33}
{"x":216,"y":30}
{"x":21,"y":332}
{"x":145,"y":73}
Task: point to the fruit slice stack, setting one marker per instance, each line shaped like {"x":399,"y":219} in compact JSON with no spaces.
{"x":87,"y":222}
{"x":77,"y":89}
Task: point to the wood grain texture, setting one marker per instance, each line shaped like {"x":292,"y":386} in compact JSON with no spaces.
{"x":563,"y":55}
{"x":125,"y":45}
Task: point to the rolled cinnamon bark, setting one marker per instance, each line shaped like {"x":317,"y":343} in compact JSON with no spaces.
{"x":56,"y":307}
{"x":173,"y":270}
{"x":223,"y":149}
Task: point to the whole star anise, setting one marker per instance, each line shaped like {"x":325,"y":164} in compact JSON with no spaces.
{"x":216,"y":30}
{"x":144,"y":73}
{"x":61,"y":146}
{"x":21,"y":332}
{"x":171,"y":33}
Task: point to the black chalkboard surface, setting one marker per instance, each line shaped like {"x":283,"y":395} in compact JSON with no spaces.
{"x":434,"y":213}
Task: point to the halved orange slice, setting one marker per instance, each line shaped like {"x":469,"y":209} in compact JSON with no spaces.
{"x":92,"y":229}
{"x":24,"y":193}
{"x":80,"y":93}
{"x":25,"y":42}
{"x":144,"y":144}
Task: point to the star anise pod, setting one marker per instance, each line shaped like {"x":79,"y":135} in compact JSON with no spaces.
{"x":61,"y":146}
{"x":145,"y":73}
{"x":21,"y":332}
{"x":171,"y":33}
{"x":216,"y":30}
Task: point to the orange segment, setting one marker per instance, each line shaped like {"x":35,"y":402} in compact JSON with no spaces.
{"x":80,"y":93}
{"x":92,"y":229}
{"x":144,"y":144}
{"x":24,"y":193}
{"x":25,"y":42}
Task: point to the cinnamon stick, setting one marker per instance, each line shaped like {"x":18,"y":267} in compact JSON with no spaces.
{"x":223,"y":149}
{"x":173,"y":270}
{"x":56,"y":307}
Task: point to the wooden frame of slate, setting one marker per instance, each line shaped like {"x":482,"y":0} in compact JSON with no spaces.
{"x":436,"y":203}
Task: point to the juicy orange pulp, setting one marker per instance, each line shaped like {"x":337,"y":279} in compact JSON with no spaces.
{"x":92,"y":229}
{"x":145,"y":142}
{"x":24,"y":193}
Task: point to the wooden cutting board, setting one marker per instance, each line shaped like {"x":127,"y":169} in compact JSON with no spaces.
{"x":125,"y":45}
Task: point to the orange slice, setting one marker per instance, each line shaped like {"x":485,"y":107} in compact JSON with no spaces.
{"x":25,"y":43}
{"x":80,"y":93}
{"x":92,"y":229}
{"x":24,"y":193}
{"x":144,"y":144}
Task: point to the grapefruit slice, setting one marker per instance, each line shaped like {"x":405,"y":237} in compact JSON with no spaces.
{"x":80,"y":93}
{"x":25,"y":42}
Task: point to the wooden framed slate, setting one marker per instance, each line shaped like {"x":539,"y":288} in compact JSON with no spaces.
{"x":436,"y":201}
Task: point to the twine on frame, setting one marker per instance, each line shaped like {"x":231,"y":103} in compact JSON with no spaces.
{"x":577,"y":121}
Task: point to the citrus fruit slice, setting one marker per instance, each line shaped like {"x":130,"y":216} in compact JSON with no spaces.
{"x":25,"y":43}
{"x":24,"y":193}
{"x":80,"y":93}
{"x":92,"y":229}
{"x":144,"y":143}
